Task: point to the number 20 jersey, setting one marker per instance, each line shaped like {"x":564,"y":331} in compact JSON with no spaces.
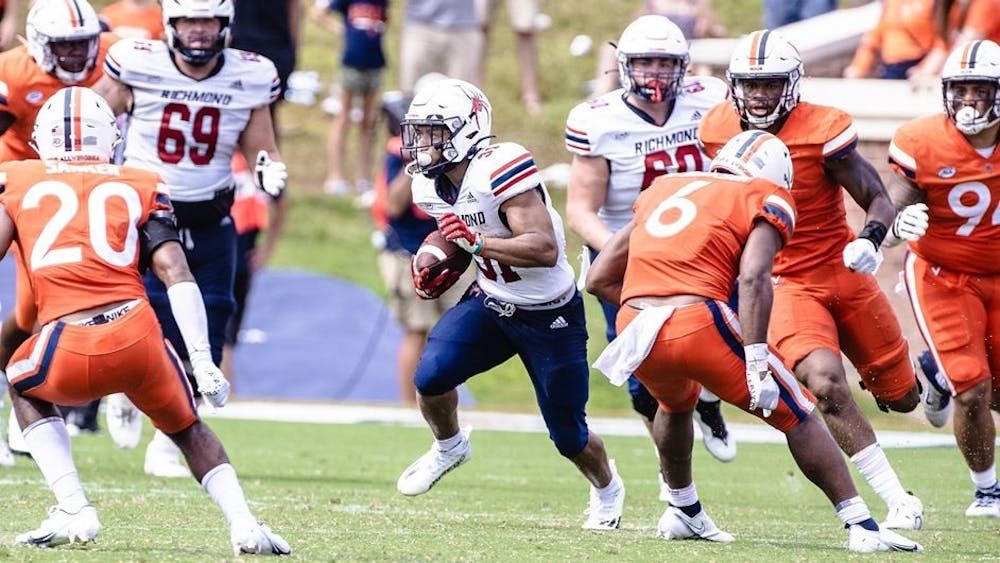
{"x":962,"y":193}
{"x":638,"y":150}
{"x":186,"y":129}
{"x":495,"y":175}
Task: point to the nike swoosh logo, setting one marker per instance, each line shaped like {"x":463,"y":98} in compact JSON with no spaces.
{"x":697,"y":529}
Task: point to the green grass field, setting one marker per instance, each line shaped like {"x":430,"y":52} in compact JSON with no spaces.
{"x":330,"y":490}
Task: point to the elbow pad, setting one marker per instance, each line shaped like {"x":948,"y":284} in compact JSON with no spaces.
{"x":159,"y":229}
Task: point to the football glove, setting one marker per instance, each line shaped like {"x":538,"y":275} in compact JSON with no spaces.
{"x":861,"y":256}
{"x":911,"y":222}
{"x":431,"y":288}
{"x":272,"y":175}
{"x":211,"y":383}
{"x":763,"y":388}
{"x":454,"y":229}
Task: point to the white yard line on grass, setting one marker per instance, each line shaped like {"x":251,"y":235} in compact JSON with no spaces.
{"x":484,"y":420}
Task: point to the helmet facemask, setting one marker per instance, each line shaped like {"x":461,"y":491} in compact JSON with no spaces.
{"x":70,"y":59}
{"x":209,"y":45}
{"x":972,"y":103}
{"x":427,"y":145}
{"x":757,"y":100}
{"x":649,"y":78}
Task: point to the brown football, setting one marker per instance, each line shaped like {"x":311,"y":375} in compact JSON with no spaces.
{"x":438,"y":253}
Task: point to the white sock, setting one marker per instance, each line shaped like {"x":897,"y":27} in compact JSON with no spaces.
{"x":707,"y":396}
{"x":685,"y":496}
{"x":853,"y":511}
{"x":607,"y":493}
{"x":874,"y":467}
{"x":222,"y":485}
{"x":48,"y":443}
{"x":449,"y":443}
{"x":984,"y":480}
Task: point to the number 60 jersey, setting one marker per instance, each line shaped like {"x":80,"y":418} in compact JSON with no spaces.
{"x":187,"y":129}
{"x":962,"y":193}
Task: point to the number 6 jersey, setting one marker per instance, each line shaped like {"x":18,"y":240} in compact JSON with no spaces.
{"x":637,"y":149}
{"x":187,"y":129}
{"x":962,"y":193}
{"x":78,"y":230}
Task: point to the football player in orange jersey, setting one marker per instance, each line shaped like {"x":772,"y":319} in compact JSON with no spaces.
{"x":82,"y":226}
{"x":673,"y":268}
{"x":64,"y":47}
{"x":947,"y":187}
{"x":825,"y":298}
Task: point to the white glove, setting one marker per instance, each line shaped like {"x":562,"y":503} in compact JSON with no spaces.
{"x":763,"y":388}
{"x":211,"y":383}
{"x":861,"y":256}
{"x":271,"y":174}
{"x":911,"y":223}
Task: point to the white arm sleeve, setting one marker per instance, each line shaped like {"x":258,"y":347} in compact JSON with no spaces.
{"x":189,"y":312}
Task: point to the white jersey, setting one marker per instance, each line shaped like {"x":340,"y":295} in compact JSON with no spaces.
{"x":637,"y":149}
{"x":187,"y":129}
{"x":495,"y":175}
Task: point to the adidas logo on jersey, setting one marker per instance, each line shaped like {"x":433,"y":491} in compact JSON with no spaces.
{"x":559,"y":323}
{"x":696,"y":115}
{"x":236,"y":85}
{"x":470,"y":198}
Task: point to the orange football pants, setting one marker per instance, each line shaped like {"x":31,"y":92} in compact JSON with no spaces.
{"x":959,"y":318}
{"x":700,"y":345}
{"x":833,"y":308}
{"x":72,"y":365}
{"x":25,"y":309}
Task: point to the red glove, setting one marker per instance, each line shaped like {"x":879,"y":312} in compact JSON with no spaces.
{"x":432,"y":288}
{"x":454,"y":229}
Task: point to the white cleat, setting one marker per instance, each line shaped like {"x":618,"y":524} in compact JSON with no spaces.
{"x":6,"y":456}
{"x":718,"y":441}
{"x":62,"y":527}
{"x":907,"y":513}
{"x":606,"y":515}
{"x":675,"y":525}
{"x":124,"y":421}
{"x":432,"y":466}
{"x":664,"y":487}
{"x":862,"y":540}
{"x":935,"y":397}
{"x":15,"y":441}
{"x":257,"y":539}
{"x":985,"y":505}
{"x":163,"y":459}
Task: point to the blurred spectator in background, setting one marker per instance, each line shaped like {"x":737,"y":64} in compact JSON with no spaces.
{"x":361,"y":68}
{"x":141,"y":19}
{"x":440,"y":36}
{"x":522,"y":14}
{"x":904,"y":35}
{"x":956,"y":22}
{"x":271,"y":28}
{"x":405,"y":227}
{"x":782,"y":12}
{"x":696,"y":18}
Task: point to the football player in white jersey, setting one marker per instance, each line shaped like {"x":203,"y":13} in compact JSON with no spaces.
{"x":490,"y":200}
{"x":192,"y":102}
{"x":621,"y":141}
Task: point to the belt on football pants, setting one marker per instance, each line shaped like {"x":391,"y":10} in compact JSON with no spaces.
{"x":563,"y":299}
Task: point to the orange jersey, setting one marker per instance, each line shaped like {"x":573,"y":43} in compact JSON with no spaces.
{"x":24,"y":87}
{"x":690,"y":230}
{"x":961,"y":190}
{"x":78,"y":230}
{"x":814,"y":134}
{"x":139,"y":22}
{"x":905,"y":32}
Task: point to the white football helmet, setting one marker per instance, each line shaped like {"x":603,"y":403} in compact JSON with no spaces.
{"x":221,"y":10}
{"x":75,"y":125}
{"x":652,"y":37}
{"x":765,"y":55}
{"x":451,"y":116}
{"x":57,"y":28}
{"x":975,"y":61}
{"x":756,"y":154}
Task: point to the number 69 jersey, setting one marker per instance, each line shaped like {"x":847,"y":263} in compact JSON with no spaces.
{"x":962,"y":193}
{"x":187,"y":129}
{"x":637,"y":149}
{"x":495,"y":175}
{"x":78,"y":230}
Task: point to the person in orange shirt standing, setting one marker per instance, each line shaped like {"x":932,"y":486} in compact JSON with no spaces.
{"x":902,"y":38}
{"x":958,"y":22}
{"x":947,"y":186}
{"x":826,"y":299}
{"x":84,"y":227}
{"x":140,"y":19}
{"x":673,"y":268}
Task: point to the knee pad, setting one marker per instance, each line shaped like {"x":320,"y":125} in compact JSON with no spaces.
{"x":431,"y":378}
{"x":642,"y":402}
{"x":569,"y":437}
